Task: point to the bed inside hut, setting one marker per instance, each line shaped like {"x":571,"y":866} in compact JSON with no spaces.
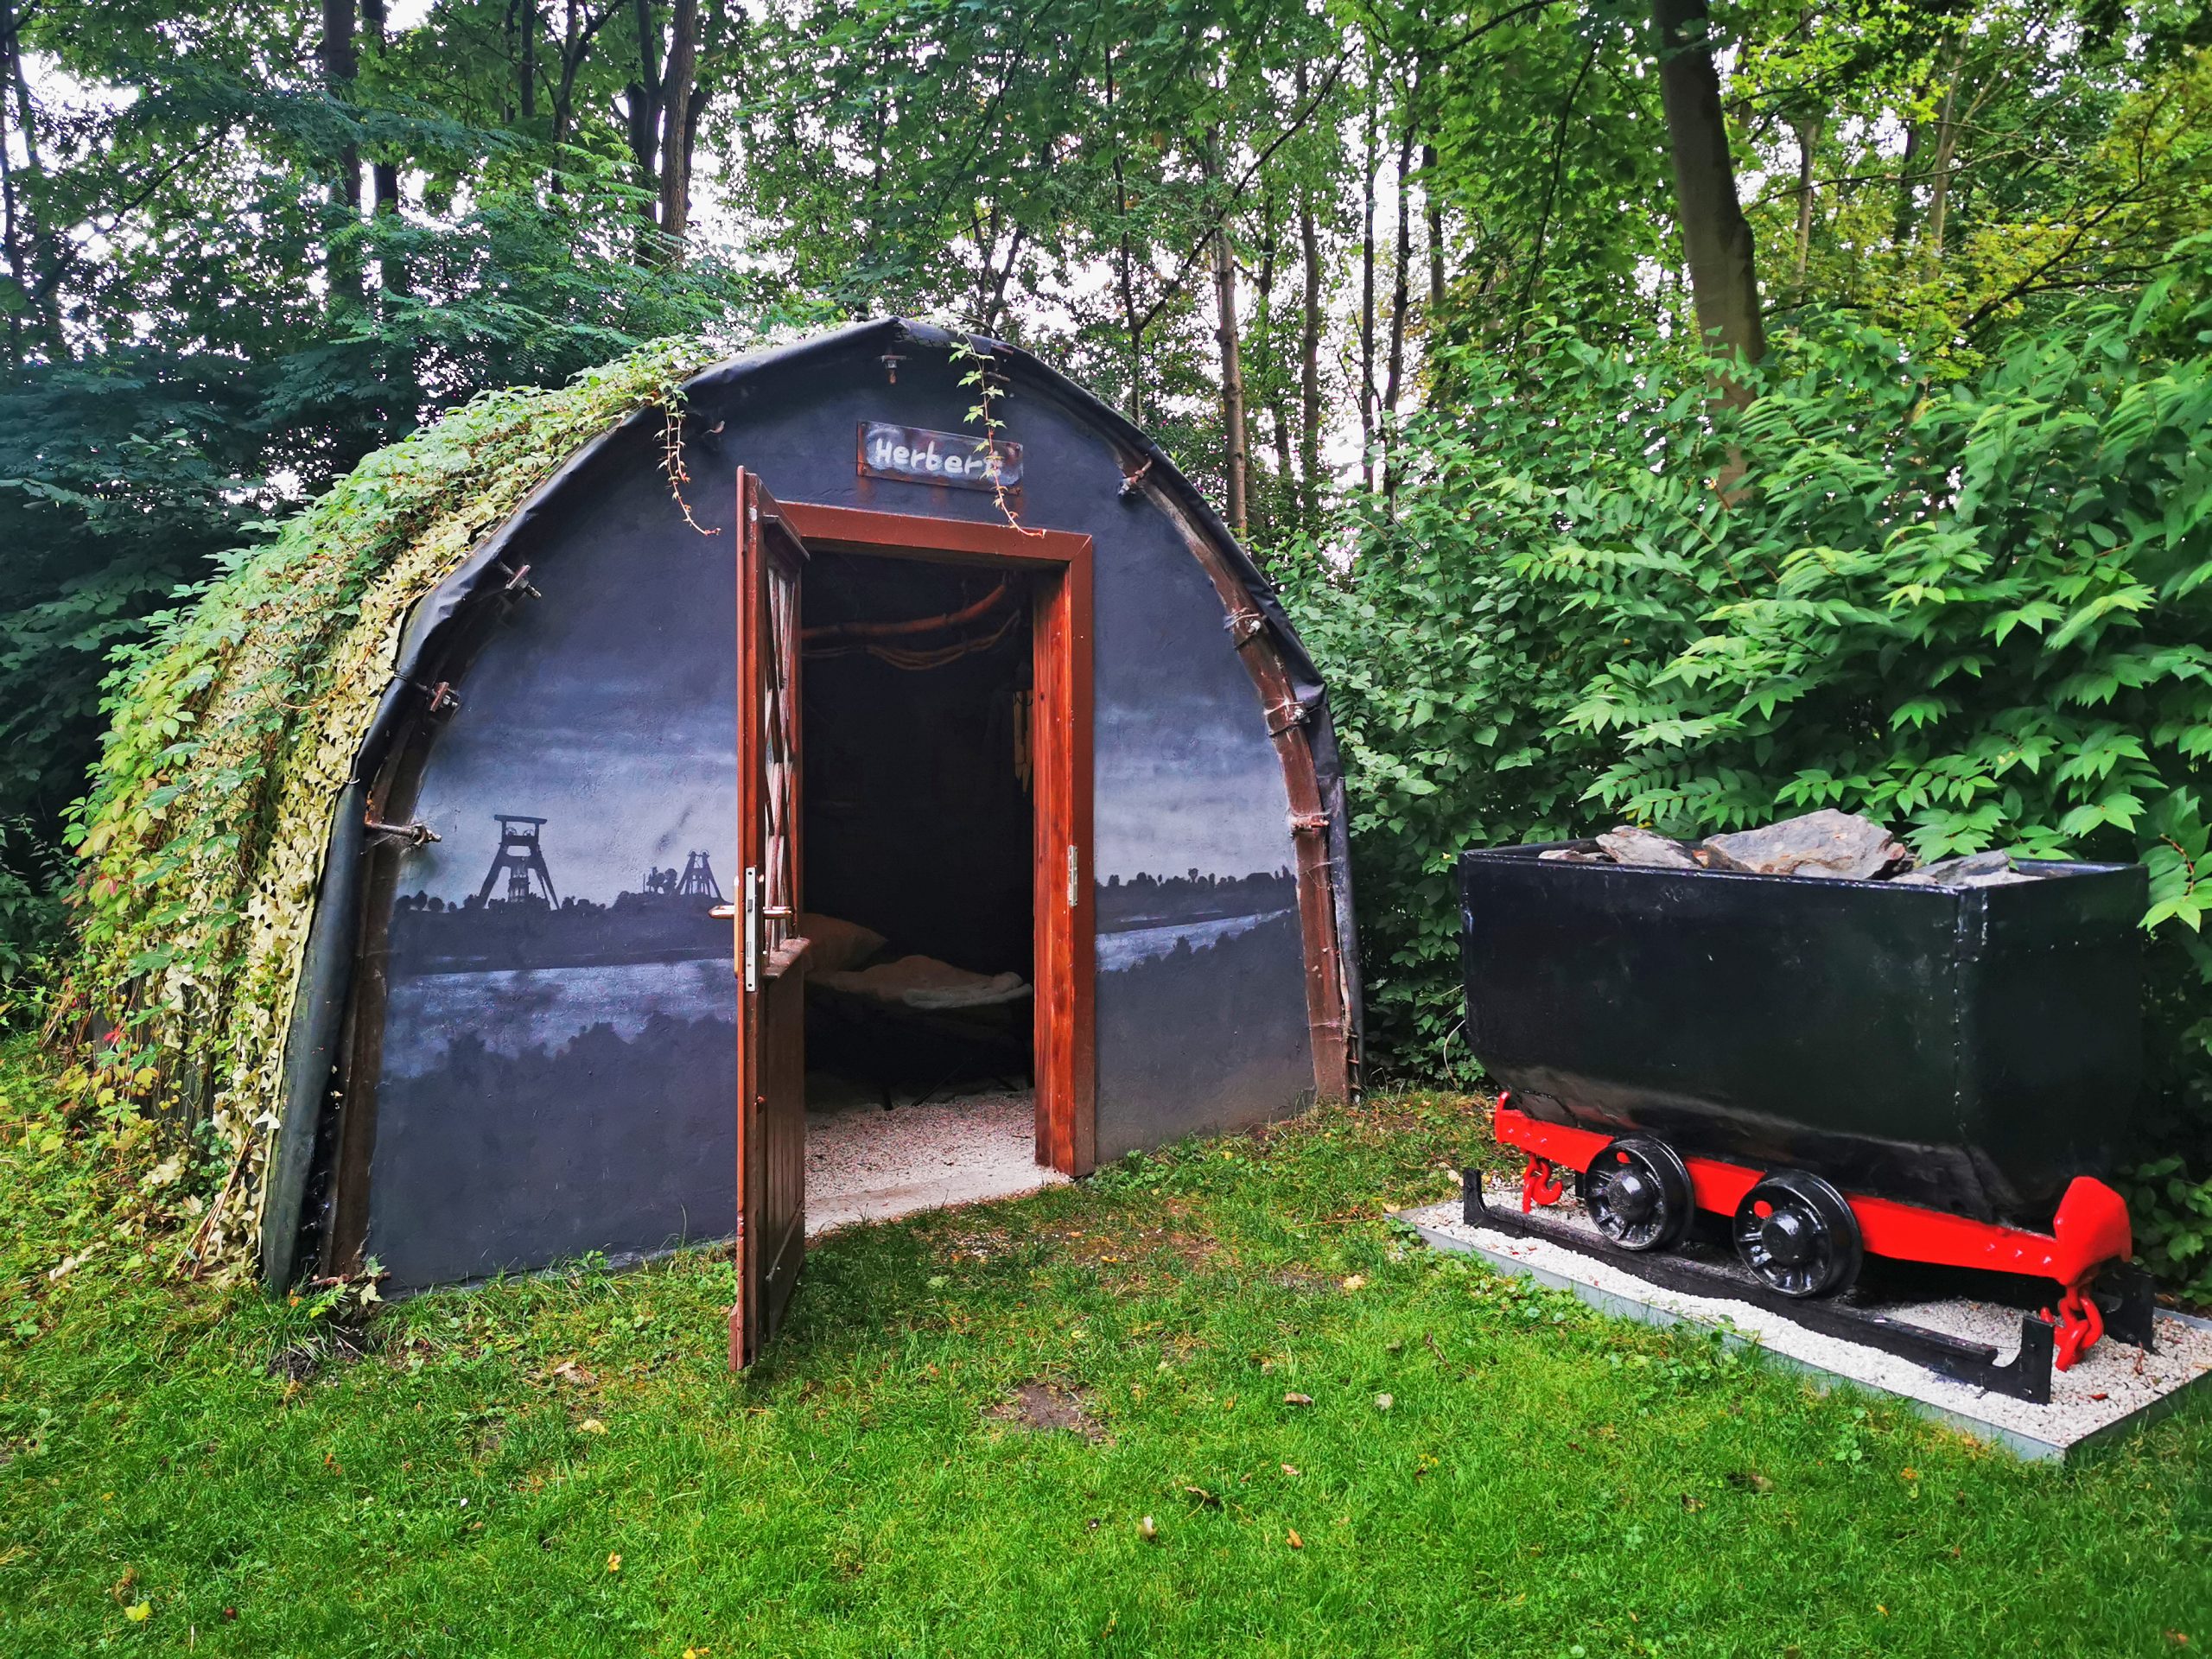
{"x":916,"y":804}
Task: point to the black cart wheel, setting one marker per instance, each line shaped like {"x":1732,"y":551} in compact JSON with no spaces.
{"x":1798,"y":1234}
{"x":1638,"y":1192}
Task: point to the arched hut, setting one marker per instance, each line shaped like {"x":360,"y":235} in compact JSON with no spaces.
{"x":828,"y":729}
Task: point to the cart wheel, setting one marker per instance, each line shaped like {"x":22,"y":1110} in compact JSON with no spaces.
{"x":1798,"y":1234}
{"x":1638,"y":1192}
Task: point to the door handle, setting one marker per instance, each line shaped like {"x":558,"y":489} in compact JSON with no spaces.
{"x":752,"y":926}
{"x":723,"y":912}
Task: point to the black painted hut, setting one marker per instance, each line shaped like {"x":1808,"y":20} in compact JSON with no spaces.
{"x":873,"y":749}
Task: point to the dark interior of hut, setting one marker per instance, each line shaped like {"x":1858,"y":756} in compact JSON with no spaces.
{"x":917,"y":883}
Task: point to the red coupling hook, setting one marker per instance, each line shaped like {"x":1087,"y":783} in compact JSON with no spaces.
{"x":1540,"y":1184}
{"x":2080,"y":1324}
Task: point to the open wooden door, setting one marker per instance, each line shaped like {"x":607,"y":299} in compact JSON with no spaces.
{"x":770,"y":956}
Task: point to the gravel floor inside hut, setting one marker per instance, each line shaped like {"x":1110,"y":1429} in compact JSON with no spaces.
{"x":2111,"y":1382}
{"x":866,"y":1163}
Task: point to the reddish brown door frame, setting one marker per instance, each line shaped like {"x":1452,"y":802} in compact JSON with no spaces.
{"x":1060,"y":734}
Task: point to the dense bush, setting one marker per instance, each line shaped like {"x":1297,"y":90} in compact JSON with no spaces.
{"x":1975,"y":608}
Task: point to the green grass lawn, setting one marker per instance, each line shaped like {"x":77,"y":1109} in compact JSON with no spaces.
{"x":561,"y":1467}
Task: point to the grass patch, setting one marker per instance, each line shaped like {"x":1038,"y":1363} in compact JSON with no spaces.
{"x":954,"y":1447}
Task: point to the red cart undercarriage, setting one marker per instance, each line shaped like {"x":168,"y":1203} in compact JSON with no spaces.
{"x":1803,"y":1240}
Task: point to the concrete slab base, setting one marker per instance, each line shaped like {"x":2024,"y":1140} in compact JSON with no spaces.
{"x":2112,"y":1391}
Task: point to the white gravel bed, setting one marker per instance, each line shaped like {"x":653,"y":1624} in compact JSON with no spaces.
{"x":866,"y":1163}
{"x":2108,"y":1384}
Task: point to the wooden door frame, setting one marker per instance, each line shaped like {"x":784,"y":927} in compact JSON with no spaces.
{"x":1065,"y":966}
{"x":769,"y":961}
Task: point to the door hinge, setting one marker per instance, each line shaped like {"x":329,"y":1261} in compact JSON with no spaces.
{"x":1074,"y":874}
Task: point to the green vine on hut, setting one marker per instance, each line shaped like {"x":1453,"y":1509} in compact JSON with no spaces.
{"x":234,"y":728}
{"x":982,"y":373}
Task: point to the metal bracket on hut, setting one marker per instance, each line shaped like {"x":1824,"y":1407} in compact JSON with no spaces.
{"x":416,"y":834}
{"x":518,"y":584}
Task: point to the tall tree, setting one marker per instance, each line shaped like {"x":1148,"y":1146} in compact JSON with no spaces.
{"x":1234,"y":443}
{"x":1716,"y":237}
{"x":339,"y":59}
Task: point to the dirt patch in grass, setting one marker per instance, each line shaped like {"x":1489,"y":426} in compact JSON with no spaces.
{"x":336,"y":1345}
{"x":1126,"y":1249}
{"x":1043,"y":1407}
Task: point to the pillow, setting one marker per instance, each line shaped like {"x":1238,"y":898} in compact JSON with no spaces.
{"x":837,"y":944}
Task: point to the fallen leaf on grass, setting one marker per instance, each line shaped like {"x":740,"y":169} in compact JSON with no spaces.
{"x":1298,"y":1399}
{"x":139,"y":1613}
{"x":1383,"y":1402}
{"x":1356,"y":1282}
{"x":1291,"y":1472}
{"x":1148,"y":1530}
{"x":1295,"y":1541}
{"x":614,"y":1561}
{"x":591,"y":1426}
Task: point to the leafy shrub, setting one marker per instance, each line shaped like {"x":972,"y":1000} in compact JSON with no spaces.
{"x":1976,"y":610}
{"x":32,"y":926}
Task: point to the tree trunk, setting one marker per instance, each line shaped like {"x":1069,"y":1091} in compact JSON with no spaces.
{"x":678,"y":86}
{"x":1125,"y":276}
{"x":1401,"y":293}
{"x":384,"y":172}
{"x":1232,"y":375}
{"x":1367,"y":298}
{"x":1433,"y":207}
{"x":1309,"y":352}
{"x":340,"y":65}
{"x":526,"y":61}
{"x":1809,"y":134}
{"x":1309,"y":370}
{"x":33,"y":262}
{"x":1939,"y":187}
{"x":642,"y":98}
{"x":1716,"y":237}
{"x":1901,"y":230}
{"x":1261,"y":505}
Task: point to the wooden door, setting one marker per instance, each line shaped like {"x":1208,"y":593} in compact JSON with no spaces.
{"x":770,"y":956}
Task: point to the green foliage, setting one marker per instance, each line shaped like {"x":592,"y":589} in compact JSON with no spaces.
{"x":33,"y":932}
{"x":118,"y":481}
{"x":1979,"y":610}
{"x":235,"y":724}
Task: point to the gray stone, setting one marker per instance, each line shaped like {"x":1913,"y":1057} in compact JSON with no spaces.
{"x":1962,"y":872}
{"x":1629,"y":845}
{"x":1829,"y":843}
{"x":1991,"y":869}
{"x":1573,"y":855}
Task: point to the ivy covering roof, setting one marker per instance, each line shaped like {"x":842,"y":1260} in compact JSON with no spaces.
{"x":236,"y":725}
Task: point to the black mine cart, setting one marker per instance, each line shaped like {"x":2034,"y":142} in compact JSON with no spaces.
{"x":1828,"y":1069}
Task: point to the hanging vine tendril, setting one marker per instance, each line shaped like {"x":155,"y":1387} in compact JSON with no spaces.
{"x":982,"y":374}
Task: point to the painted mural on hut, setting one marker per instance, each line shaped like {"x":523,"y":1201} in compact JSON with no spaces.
{"x":558,"y":1067}
{"x":559,"y":1037}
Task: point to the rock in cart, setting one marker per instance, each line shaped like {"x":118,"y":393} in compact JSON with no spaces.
{"x":1847,"y":1058}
